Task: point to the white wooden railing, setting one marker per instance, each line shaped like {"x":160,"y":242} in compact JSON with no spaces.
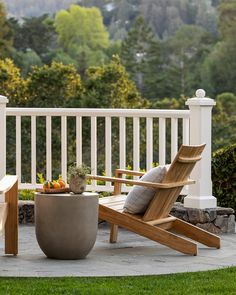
{"x":93,"y":114}
{"x":189,"y":120}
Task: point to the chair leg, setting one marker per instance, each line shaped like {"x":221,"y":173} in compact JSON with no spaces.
{"x":11,"y":225}
{"x":149,"y":231}
{"x":196,"y":233}
{"x":113,"y":233}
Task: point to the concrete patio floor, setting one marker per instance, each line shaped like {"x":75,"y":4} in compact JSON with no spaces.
{"x":132,"y":255}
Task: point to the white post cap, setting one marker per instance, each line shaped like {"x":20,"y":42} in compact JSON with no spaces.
{"x":200,"y":93}
{"x":200,"y":99}
{"x":3,"y":99}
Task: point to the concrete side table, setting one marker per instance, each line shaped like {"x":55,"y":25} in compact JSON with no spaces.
{"x":66,"y":224}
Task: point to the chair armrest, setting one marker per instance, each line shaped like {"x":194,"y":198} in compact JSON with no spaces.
{"x":141,"y":183}
{"x":129,"y":172}
{"x":7,"y":183}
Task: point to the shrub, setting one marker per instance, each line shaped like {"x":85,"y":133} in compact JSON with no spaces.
{"x":11,"y":83}
{"x":26,"y":194}
{"x":109,"y":86}
{"x":224,"y":176}
{"x":56,"y":85}
{"x":224,"y":121}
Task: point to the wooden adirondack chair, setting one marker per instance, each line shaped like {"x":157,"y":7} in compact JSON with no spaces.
{"x":9,"y":213}
{"x":156,"y":222}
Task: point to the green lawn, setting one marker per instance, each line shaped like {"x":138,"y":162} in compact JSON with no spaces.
{"x":212,"y":282}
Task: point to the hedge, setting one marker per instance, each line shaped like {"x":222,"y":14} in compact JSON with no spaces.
{"x":224,"y":176}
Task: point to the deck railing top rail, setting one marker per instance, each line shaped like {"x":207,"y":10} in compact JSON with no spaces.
{"x":97,"y":112}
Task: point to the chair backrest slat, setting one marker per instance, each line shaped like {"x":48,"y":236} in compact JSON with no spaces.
{"x":179,"y":170}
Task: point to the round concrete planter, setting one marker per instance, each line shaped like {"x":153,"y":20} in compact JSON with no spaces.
{"x":66,"y":224}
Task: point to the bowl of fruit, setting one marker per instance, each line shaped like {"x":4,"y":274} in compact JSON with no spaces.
{"x":55,"y":186}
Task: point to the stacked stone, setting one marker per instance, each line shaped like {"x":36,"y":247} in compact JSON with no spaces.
{"x":217,"y":220}
{"x":26,"y":212}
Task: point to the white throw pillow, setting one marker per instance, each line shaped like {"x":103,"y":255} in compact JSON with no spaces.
{"x":139,"y":197}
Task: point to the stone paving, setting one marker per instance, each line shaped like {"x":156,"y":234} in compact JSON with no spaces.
{"x":132,"y":255}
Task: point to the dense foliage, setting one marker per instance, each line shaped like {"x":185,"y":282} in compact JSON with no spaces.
{"x":224,"y":176}
{"x":12,"y":84}
{"x":224,"y":121}
{"x":169,"y":48}
{"x":140,"y":52}
{"x":60,"y":85}
{"x":35,"y":33}
{"x":70,"y":58}
{"x":5,"y":33}
{"x":81,"y":27}
{"x":109,"y":86}
{"x":57,"y":85}
{"x":82,"y":35}
{"x":165,"y":17}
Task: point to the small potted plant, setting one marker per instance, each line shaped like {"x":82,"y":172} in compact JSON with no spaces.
{"x":77,"y":178}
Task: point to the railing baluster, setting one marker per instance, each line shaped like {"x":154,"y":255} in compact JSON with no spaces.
{"x":162,"y":141}
{"x":79,"y":140}
{"x":18,"y":147}
{"x":94,"y":148}
{"x":185,"y":140}
{"x":149,"y":143}
{"x":33,"y":150}
{"x":174,"y":137}
{"x":3,"y":141}
{"x":64,"y":147}
{"x":186,"y":131}
{"x":136,"y":144}
{"x":108,"y":155}
{"x":49,"y":147}
{"x":122,"y":138}
{"x":108,"y":114}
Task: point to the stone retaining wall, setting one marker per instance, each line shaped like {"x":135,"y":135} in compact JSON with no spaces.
{"x":218,"y":220}
{"x":26,"y":212}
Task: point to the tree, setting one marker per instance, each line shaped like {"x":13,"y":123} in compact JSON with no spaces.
{"x":35,"y":8}
{"x":185,"y":53}
{"x":5,"y":34}
{"x":215,"y":3}
{"x":109,"y":86}
{"x":166,"y":17}
{"x":221,"y":63}
{"x":11,"y":83}
{"x":227,"y":102}
{"x":140,"y":53}
{"x":26,"y":60}
{"x":227,"y":20}
{"x":82,"y":35}
{"x":162,"y":16}
{"x":36,"y":34}
{"x":206,"y":15}
{"x":224,"y":121}
{"x":13,"y":86}
{"x":57,"y":85}
{"x":82,"y":57}
{"x":82,"y":27}
{"x":120,"y":17}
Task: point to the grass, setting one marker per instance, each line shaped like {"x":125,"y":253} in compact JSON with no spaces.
{"x":210,"y":282}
